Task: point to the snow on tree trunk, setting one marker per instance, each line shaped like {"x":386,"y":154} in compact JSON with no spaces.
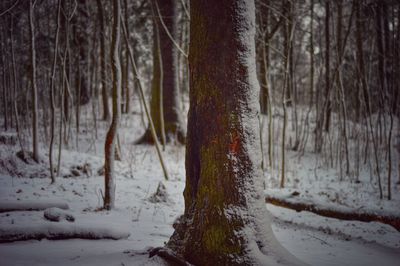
{"x":109,"y":174}
{"x":225,"y":220}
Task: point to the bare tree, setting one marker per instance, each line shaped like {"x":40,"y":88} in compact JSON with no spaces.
{"x":103,"y":70}
{"x":111,"y":138}
{"x":35,"y":123}
{"x":52,"y":101}
{"x":165,"y":101}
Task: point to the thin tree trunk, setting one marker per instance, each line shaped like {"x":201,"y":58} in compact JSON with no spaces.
{"x":160,"y":76}
{"x":103,"y":77}
{"x":126,"y":67}
{"x":328,"y":103}
{"x":143,"y":100}
{"x":110,"y":144}
{"x":382,"y":80}
{"x":52,"y":103}
{"x":35,"y":124}
{"x":5,"y":117}
{"x":311,"y":54}
{"x":15,"y":89}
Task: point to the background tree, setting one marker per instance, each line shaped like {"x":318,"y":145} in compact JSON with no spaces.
{"x":111,"y":138}
{"x":35,"y":123}
{"x":103,"y":71}
{"x":165,"y":99}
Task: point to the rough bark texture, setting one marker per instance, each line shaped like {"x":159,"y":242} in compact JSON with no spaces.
{"x":170,"y":91}
{"x":223,"y":222}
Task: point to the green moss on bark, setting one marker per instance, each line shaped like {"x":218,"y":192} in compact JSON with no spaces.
{"x":216,"y":240}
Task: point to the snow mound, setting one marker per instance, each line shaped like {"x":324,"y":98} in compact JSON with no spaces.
{"x":58,"y":231}
{"x":161,"y":195}
{"x":56,"y":214}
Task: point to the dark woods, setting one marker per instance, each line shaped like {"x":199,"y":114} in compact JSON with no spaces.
{"x":330,"y":69}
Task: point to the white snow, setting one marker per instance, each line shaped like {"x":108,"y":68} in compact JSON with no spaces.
{"x":48,"y":230}
{"x":313,"y":239}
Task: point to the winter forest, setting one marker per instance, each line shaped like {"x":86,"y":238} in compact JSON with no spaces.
{"x":195,"y":132}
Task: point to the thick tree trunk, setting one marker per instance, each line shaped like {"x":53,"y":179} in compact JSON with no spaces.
{"x":111,"y":138}
{"x":165,"y":78}
{"x":224,"y":222}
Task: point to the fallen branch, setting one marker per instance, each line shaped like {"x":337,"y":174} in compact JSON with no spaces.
{"x":9,"y":206}
{"x":339,"y":213}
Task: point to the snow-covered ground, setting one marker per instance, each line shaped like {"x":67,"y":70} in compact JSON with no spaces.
{"x":313,"y":239}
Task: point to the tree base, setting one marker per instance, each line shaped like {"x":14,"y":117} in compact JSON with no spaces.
{"x":171,"y":137}
{"x":168,"y":255}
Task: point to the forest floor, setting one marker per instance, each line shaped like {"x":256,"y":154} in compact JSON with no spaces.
{"x":314,"y":239}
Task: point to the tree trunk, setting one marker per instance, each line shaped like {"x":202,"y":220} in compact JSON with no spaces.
{"x":328,"y":103}
{"x":263,"y":55}
{"x":103,"y":77}
{"x":224,"y":222}
{"x":35,"y":123}
{"x":172,"y":113}
{"x":143,"y":100}
{"x":81,"y":24}
{"x":4,"y":94}
{"x":126,"y":84}
{"x":311,"y":94}
{"x":111,"y":138}
{"x":52,"y":102}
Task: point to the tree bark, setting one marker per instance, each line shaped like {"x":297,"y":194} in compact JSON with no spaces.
{"x":328,"y":103}
{"x":52,"y":100}
{"x":103,"y":77}
{"x":143,"y":100}
{"x":111,"y":138}
{"x":171,"y":113}
{"x":35,"y":123}
{"x":224,"y":219}
{"x":81,"y":24}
